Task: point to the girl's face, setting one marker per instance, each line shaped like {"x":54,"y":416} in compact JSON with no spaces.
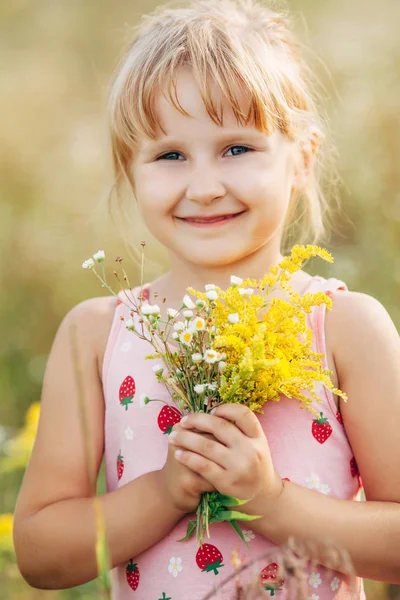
{"x":212,"y":195}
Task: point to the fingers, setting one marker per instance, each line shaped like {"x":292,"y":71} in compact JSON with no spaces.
{"x":220,"y":423}
{"x":207,"y":469}
{"x":202,"y":445}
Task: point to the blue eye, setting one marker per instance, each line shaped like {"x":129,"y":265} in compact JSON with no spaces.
{"x":169,"y":156}
{"x":238,"y":150}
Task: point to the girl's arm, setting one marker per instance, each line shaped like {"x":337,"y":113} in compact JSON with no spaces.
{"x":366,"y":349}
{"x":54,"y":525}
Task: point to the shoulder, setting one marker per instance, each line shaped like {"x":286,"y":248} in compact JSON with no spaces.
{"x":93,"y":319}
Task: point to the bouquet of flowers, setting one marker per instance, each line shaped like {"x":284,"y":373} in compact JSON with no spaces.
{"x":243,"y":344}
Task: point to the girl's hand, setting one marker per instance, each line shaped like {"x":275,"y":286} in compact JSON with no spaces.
{"x":236,"y":460}
{"x":182,"y":485}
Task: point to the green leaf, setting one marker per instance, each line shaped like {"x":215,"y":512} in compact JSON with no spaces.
{"x":191,"y":528}
{"x":231,"y":501}
{"x":229,"y":515}
{"x":236,"y":527}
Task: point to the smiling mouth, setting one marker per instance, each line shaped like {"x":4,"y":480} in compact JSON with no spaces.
{"x":208,"y":221}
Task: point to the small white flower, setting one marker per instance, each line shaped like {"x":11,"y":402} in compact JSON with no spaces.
{"x":179,"y":326}
{"x":200,"y":303}
{"x":99,"y":256}
{"x":88,"y":264}
{"x":236,"y":280}
{"x":211,"y":356}
{"x":248,"y":535}
{"x":212,"y":295}
{"x":199,"y":388}
{"x":315,"y":580}
{"x":324,"y":488}
{"x":197,"y":357}
{"x":313,"y":482}
{"x":171,"y":312}
{"x":158,"y":368}
{"x":209,"y":286}
{"x":126,"y":347}
{"x":246,"y":291}
{"x":233,"y":318}
{"x":143,"y":400}
{"x":188,"y":302}
{"x":335,"y":583}
{"x":198,"y":324}
{"x":129,"y":324}
{"x":188,"y":314}
{"x":186,"y":337}
{"x":212,"y":386}
{"x":175,"y":565}
{"x":129,"y":433}
{"x":221,"y":365}
{"x":313,"y":597}
{"x":175,"y":335}
{"x":150,"y":309}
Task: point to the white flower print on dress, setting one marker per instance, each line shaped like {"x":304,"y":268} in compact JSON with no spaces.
{"x":175,"y":565}
{"x":313,"y":597}
{"x":324,"y":488}
{"x":313,"y":482}
{"x":315,"y":580}
{"x":129,"y":433}
{"x":248,"y":535}
{"x":126,"y":347}
{"x":335,"y":583}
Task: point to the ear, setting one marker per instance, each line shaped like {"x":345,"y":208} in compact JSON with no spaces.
{"x":307,"y":152}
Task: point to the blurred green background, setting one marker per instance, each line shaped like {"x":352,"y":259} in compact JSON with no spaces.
{"x":57,"y":58}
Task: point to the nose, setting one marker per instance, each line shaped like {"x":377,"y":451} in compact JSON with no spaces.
{"x":205,"y":186}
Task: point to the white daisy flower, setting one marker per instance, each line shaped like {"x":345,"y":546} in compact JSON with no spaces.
{"x":248,"y":535}
{"x":129,"y":324}
{"x":212,"y":295}
{"x":150,"y":309}
{"x":188,"y":302}
{"x":236,"y":280}
{"x":88,"y":264}
{"x":211,"y":356}
{"x":233,"y":318}
{"x":221,"y":365}
{"x":188,"y":314}
{"x":175,"y":565}
{"x":315,"y":580}
{"x":99,"y":256}
{"x":197,"y":357}
{"x":143,"y":400}
{"x":158,"y":368}
{"x":313,"y":597}
{"x":200,"y":303}
{"x":324,"y":488}
{"x":335,"y":583}
{"x":186,"y":337}
{"x":199,"y":388}
{"x":313,"y":482}
{"x":129,"y":433}
{"x":246,"y":291}
{"x":171,"y":312}
{"x":179,"y":326}
{"x":198,"y":324}
{"x":209,"y":286}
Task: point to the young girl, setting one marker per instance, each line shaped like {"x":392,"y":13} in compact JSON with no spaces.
{"x":214,"y":127}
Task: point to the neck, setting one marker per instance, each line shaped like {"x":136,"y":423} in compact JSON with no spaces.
{"x":173,"y":284}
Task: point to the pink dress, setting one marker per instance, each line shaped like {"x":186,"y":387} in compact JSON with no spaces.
{"x":135,"y":444}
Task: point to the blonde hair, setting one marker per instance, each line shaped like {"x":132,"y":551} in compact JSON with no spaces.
{"x":244,"y":48}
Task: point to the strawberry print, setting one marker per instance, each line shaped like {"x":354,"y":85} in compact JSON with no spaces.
{"x":164,"y":597}
{"x":120,"y":465}
{"x":132,"y":575}
{"x":127,"y":391}
{"x":354,"y":467}
{"x":168,"y":417}
{"x":285,"y":479}
{"x":209,"y":558}
{"x":321,"y":429}
{"x":270,"y":580}
{"x":339,"y":417}
{"x":119,"y":302}
{"x":145,"y":294}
